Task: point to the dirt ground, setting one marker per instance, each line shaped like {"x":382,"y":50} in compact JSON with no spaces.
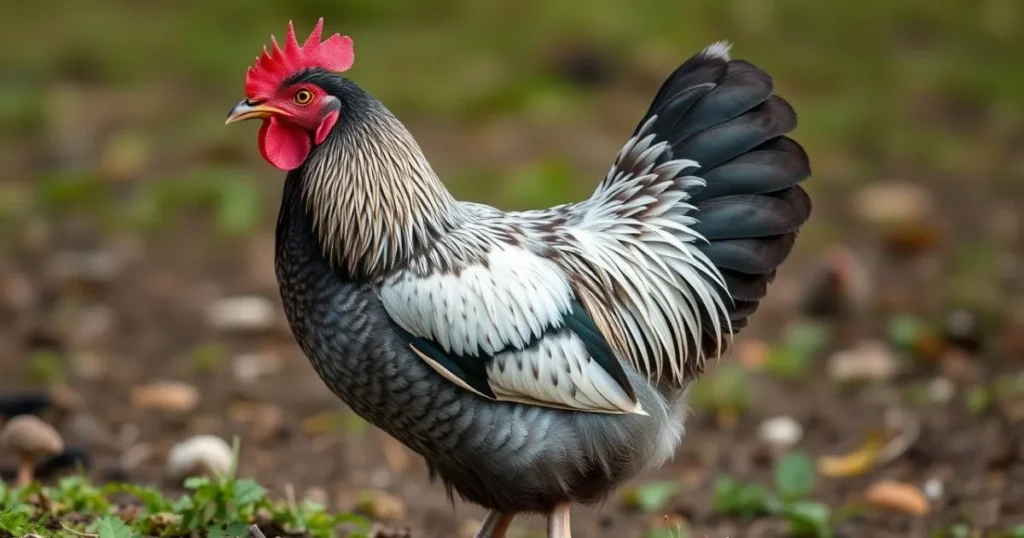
{"x":142,"y":318}
{"x":97,"y":312}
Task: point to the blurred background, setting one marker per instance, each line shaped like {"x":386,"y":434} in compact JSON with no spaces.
{"x":137,"y":285}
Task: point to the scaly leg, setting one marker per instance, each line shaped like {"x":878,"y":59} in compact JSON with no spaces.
{"x":558,"y":522}
{"x":495,"y":525}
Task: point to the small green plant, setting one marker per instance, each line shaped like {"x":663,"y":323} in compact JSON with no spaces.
{"x":652,"y":496}
{"x":219,"y":507}
{"x":793,"y":356}
{"x":44,"y":366}
{"x":726,"y":392}
{"x":794,"y":481}
{"x":208,"y":357}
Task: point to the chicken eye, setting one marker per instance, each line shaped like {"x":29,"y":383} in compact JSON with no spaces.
{"x":303,"y":97}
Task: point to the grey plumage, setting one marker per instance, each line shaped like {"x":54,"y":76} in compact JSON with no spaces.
{"x":520,"y":458}
{"x":612,"y":304}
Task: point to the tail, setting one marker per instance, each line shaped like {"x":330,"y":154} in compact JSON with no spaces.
{"x":723,"y":114}
{"x":677,"y":246}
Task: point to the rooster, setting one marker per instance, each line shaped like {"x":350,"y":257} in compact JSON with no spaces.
{"x":535,"y":359}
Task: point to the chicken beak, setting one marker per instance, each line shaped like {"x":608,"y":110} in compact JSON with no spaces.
{"x":247,"y":111}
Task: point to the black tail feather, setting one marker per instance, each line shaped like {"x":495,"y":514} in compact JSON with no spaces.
{"x":723,"y":114}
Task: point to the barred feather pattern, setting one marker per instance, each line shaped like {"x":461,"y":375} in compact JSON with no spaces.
{"x":627,"y":255}
{"x":635,"y":265}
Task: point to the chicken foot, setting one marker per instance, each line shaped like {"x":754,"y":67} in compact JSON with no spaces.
{"x":495,"y":525}
{"x":558,"y":522}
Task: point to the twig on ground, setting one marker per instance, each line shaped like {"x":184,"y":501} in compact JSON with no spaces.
{"x":255,"y":532}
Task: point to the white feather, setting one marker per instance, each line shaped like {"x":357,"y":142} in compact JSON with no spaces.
{"x":521,"y":293}
{"x":558,"y":372}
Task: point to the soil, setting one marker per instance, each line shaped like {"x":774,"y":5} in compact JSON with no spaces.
{"x":146,"y":321}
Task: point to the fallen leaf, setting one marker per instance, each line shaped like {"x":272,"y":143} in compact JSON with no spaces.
{"x":322,"y":423}
{"x":381,"y":505}
{"x":898,"y":496}
{"x":856,"y":462}
{"x":727,"y":417}
{"x":170,"y":396}
{"x":752,"y":353}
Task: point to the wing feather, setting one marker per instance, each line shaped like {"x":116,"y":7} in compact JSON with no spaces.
{"x":510,"y":328}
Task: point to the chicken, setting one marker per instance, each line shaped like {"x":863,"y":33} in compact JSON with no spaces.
{"x":534,"y":359}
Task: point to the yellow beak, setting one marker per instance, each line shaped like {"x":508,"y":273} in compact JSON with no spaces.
{"x":247,"y":111}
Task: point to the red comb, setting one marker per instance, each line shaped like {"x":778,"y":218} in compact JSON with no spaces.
{"x":272,"y":68}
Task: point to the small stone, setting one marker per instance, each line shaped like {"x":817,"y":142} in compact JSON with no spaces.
{"x":93,"y":326}
{"x":206,"y":454}
{"x":86,"y":429}
{"x":386,"y":531}
{"x":870,"y":361}
{"x":897,"y":496}
{"x":135,"y":457}
{"x":318,"y":495}
{"x":88,"y":365}
{"x":17,"y":292}
{"x":941,"y":390}
{"x":171,"y":396}
{"x":89,"y":267}
{"x":251,"y":367}
{"x":933,"y":489}
{"x":963,"y":331}
{"x":381,"y":505}
{"x":66,"y":398}
{"x":128,"y":435}
{"x":247,"y":313}
{"x":959,"y":365}
{"x":893,"y":202}
{"x":781,"y":432}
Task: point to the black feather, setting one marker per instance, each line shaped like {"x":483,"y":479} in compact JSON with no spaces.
{"x":741,"y":89}
{"x":754,"y":256}
{"x":775,"y":165}
{"x":746,"y":287}
{"x":698,"y":70}
{"x":725,"y":141}
{"x":752,"y":215}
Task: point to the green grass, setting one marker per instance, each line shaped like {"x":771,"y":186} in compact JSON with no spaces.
{"x":790,"y":498}
{"x":219,"y":507}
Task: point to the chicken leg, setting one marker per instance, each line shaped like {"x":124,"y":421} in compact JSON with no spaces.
{"x":495,"y":525}
{"x":558,"y":522}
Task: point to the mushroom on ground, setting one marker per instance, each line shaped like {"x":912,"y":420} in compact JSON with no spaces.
{"x":200,"y":454}
{"x":32,"y":439}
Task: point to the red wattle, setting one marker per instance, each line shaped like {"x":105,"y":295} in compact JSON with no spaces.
{"x":284,"y":145}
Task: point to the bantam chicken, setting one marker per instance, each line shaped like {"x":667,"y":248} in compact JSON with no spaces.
{"x":535,"y":359}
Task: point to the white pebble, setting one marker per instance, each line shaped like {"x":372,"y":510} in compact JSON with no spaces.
{"x":933,"y":489}
{"x":242,"y":313}
{"x":941,"y":390}
{"x":781,"y":431}
{"x":870,"y":361}
{"x":200,"y":454}
{"x":250,"y":367}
